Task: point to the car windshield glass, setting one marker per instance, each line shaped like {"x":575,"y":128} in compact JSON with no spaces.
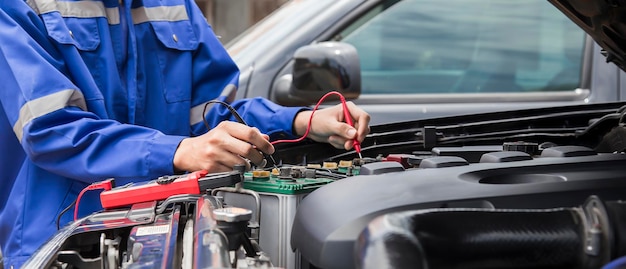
{"x":268,"y":32}
{"x":466,"y":46}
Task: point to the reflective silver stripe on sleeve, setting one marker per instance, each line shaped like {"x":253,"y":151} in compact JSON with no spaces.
{"x":113,"y":15}
{"x":162,"y":13}
{"x":196,"y":115}
{"x":44,"y":105}
{"x":79,"y":9}
{"x":95,"y":9}
{"x":42,"y":6}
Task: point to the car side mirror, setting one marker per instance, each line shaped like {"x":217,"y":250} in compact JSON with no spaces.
{"x":318,"y":69}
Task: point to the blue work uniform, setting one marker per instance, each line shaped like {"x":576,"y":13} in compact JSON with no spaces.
{"x":102,"y":89}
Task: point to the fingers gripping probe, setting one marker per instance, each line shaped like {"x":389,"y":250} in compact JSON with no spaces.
{"x":346,"y":114}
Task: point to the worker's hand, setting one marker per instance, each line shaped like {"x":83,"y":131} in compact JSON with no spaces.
{"x":222,"y":148}
{"x":329,"y":125}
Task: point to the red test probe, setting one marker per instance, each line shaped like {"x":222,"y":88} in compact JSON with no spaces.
{"x":346,"y":114}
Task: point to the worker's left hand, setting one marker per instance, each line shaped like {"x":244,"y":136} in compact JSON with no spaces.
{"x":329,"y":125}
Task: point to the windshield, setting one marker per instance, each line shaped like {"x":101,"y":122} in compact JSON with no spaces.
{"x":467,"y":46}
{"x":275,"y":27}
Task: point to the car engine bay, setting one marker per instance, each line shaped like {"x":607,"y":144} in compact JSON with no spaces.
{"x":317,"y":207}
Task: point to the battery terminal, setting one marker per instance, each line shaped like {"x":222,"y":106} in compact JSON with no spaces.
{"x":260,"y":175}
{"x":329,"y":165}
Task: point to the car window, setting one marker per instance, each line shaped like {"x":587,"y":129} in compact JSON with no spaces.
{"x":466,"y":46}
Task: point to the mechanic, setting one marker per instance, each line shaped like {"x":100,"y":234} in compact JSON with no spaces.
{"x":117,"y":89}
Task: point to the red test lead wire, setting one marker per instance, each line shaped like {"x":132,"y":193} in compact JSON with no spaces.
{"x":346,"y":114}
{"x":102,"y":185}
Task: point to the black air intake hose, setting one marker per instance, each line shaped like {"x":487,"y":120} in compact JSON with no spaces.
{"x":492,"y":238}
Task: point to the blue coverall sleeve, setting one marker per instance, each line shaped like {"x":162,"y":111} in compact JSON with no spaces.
{"x":211,"y":64}
{"x":53,"y":119}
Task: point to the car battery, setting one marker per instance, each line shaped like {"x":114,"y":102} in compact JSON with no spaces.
{"x":278,"y":195}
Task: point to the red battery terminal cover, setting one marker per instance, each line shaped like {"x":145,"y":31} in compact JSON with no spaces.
{"x":399,"y":158}
{"x":154,"y":190}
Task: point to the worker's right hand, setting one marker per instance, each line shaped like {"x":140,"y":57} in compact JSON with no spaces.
{"x":223,"y":147}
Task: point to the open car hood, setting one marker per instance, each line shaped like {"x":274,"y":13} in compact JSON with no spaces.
{"x":603,"y":21}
